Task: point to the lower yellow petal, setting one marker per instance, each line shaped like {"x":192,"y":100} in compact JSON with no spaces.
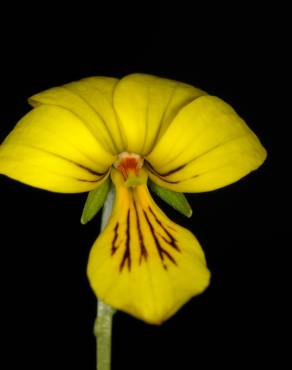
{"x":143,"y":263}
{"x":52,"y":149}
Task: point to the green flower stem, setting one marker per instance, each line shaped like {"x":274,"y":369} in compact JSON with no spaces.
{"x":103,"y":322}
{"x":103,"y":333}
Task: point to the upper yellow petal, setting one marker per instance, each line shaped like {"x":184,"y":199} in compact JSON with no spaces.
{"x":52,"y":148}
{"x":143,"y":263}
{"x":91,"y":100}
{"x":207,"y":146}
{"x":145,"y":106}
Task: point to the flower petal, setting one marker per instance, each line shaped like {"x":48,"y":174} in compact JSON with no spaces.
{"x":143,"y":263}
{"x":51,"y":148}
{"x":91,"y":100}
{"x":207,"y":146}
{"x":146,"y":105}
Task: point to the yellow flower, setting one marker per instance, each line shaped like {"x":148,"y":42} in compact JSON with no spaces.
{"x":140,"y":126}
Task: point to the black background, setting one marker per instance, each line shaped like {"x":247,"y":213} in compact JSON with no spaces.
{"x":237,"y":53}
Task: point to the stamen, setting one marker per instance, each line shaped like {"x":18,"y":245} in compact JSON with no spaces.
{"x":129,"y":163}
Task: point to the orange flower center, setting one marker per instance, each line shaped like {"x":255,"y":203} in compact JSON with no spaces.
{"x":129,"y":163}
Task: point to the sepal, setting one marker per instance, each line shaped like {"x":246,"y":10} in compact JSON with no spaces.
{"x":95,"y":201}
{"x":176,"y":200}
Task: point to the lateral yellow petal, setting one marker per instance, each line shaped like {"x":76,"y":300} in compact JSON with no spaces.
{"x":51,"y":148}
{"x":143,"y":263}
{"x":146,"y":105}
{"x":91,"y":100}
{"x":98,"y":93}
{"x":207,"y":146}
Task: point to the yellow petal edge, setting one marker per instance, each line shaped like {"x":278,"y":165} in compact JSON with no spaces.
{"x":143,"y":263}
{"x":206,"y":146}
{"x":51,"y":148}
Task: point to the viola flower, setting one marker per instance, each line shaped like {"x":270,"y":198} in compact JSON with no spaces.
{"x":133,"y":130}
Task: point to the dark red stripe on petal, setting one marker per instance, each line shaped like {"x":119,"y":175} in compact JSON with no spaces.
{"x":161,"y":251}
{"x":127,"y":253}
{"x":92,"y":172}
{"x":172,"y":242}
{"x":143,"y":250}
{"x":114,"y":246}
{"x":151,"y":169}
